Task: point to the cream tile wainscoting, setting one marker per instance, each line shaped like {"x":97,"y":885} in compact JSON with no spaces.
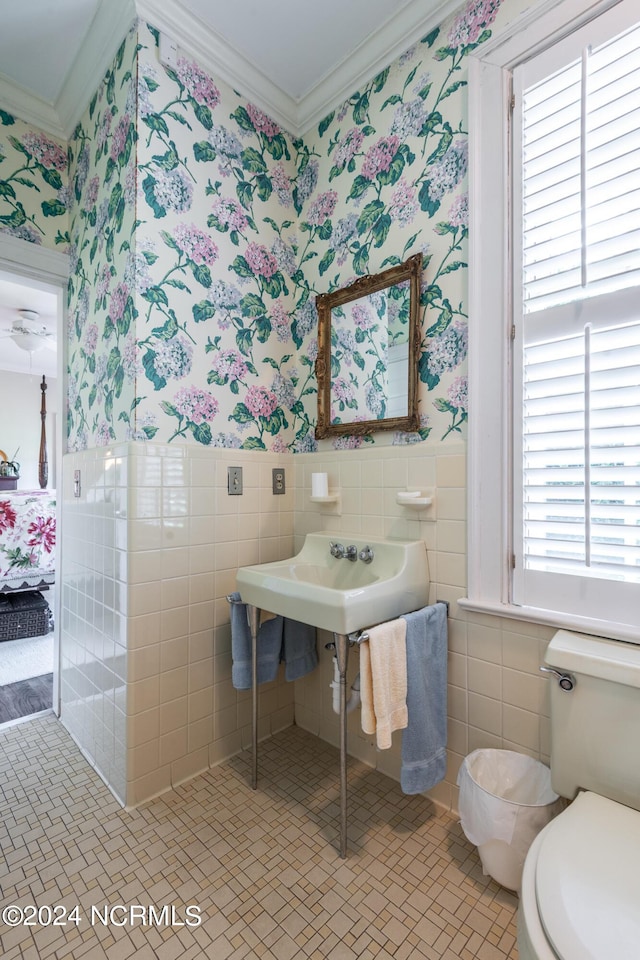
{"x":151,"y":549}
{"x":496,"y":695}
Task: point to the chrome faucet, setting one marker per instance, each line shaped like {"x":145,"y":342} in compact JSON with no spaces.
{"x":366,"y":554}
{"x":339,"y":551}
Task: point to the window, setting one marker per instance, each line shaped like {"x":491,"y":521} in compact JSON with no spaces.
{"x":576,"y":207}
{"x":567,"y":334}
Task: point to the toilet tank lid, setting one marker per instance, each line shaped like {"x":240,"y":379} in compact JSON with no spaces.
{"x":614,"y":660}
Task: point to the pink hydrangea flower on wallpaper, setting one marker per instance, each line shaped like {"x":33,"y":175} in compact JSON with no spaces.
{"x":45,"y":151}
{"x":34,"y":184}
{"x":197,"y":84}
{"x":263,"y":123}
{"x":196,"y":405}
{"x":469,"y":25}
{"x":260,"y":260}
{"x":196,"y":245}
{"x":211,"y":270}
{"x":321,"y":208}
{"x":260,"y":401}
{"x":378,"y":157}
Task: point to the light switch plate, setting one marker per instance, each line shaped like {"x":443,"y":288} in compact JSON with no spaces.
{"x":234,"y":481}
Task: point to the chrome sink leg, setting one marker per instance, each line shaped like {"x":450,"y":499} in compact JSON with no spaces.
{"x":342,"y":656}
{"x":253,"y":616}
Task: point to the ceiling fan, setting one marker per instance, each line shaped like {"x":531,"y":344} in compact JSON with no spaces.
{"x":29,"y":333}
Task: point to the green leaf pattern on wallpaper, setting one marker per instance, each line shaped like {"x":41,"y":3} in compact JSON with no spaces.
{"x":223,"y":303}
{"x":258,"y":223}
{"x":202,"y":234}
{"x":396,"y":152}
{"x":34,"y":191}
{"x":101,"y":387}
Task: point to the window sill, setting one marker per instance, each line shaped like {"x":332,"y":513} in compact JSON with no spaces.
{"x":600,"y":628}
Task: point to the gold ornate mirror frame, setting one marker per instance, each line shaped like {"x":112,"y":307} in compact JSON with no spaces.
{"x":408,"y":272}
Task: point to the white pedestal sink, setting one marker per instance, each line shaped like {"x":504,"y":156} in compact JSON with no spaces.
{"x":341,"y":595}
{"x":338,"y":594}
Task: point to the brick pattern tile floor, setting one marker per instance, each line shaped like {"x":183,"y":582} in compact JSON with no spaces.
{"x":262,"y":866}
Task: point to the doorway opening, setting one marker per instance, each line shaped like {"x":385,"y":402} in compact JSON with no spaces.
{"x":31,"y":399}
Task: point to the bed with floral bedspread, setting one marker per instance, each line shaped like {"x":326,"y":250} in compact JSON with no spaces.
{"x":27,"y":539}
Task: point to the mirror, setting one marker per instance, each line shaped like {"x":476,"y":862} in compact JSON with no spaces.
{"x":368,"y":348}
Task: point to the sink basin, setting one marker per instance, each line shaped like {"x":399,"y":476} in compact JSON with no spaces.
{"x":341,"y":595}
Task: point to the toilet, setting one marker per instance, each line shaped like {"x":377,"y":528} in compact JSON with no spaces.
{"x":580,"y":895}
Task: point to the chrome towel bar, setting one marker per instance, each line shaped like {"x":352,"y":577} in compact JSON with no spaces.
{"x":358,"y":638}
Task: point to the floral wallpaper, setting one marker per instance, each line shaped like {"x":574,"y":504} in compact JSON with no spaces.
{"x":392,"y":162}
{"x":101,"y":310}
{"x":34,"y":190}
{"x":201,"y":234}
{"x":219,"y":185}
{"x":241,"y":226}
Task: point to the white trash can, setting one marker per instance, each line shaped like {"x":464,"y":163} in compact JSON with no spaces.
{"x":506,"y":799}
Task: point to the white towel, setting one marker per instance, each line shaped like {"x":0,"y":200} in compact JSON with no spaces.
{"x":383,"y":681}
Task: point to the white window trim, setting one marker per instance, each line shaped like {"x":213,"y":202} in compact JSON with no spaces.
{"x":489,"y":486}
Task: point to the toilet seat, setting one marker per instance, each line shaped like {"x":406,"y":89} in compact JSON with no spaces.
{"x":587,"y":881}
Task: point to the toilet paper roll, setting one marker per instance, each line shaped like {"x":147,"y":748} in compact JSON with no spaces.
{"x":319,"y":485}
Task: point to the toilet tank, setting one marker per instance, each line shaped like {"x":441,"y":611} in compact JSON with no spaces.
{"x":595,"y":728}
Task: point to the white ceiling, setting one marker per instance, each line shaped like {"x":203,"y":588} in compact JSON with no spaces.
{"x":296,"y":45}
{"x":40,"y":40}
{"x":17,"y":294}
{"x":297,"y":59}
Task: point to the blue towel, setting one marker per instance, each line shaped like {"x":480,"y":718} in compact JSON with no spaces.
{"x":424,"y":741}
{"x":299,"y":649}
{"x":269,"y":646}
{"x":278,"y":639}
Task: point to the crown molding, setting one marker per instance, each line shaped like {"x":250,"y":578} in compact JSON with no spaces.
{"x":380,"y":49}
{"x":29,"y":108}
{"x":108,"y":29}
{"x":106,"y":33}
{"x":297,"y":116}
{"x":219,"y":58}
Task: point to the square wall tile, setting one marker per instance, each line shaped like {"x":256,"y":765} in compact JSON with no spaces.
{"x":485,"y":678}
{"x":484,"y":643}
{"x":523,"y":690}
{"x":485,"y":714}
{"x":521,"y":727}
{"x":451,"y":471}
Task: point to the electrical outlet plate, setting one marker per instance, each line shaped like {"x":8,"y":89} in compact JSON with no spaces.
{"x":278,"y":480}
{"x":234,"y":481}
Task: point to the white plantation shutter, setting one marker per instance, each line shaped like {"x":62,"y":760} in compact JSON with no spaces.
{"x":577,"y":323}
{"x":581,"y":176}
{"x":581,"y":453}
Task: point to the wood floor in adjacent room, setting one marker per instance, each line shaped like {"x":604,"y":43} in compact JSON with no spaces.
{"x":25,"y":697}
{"x":262,"y":866}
